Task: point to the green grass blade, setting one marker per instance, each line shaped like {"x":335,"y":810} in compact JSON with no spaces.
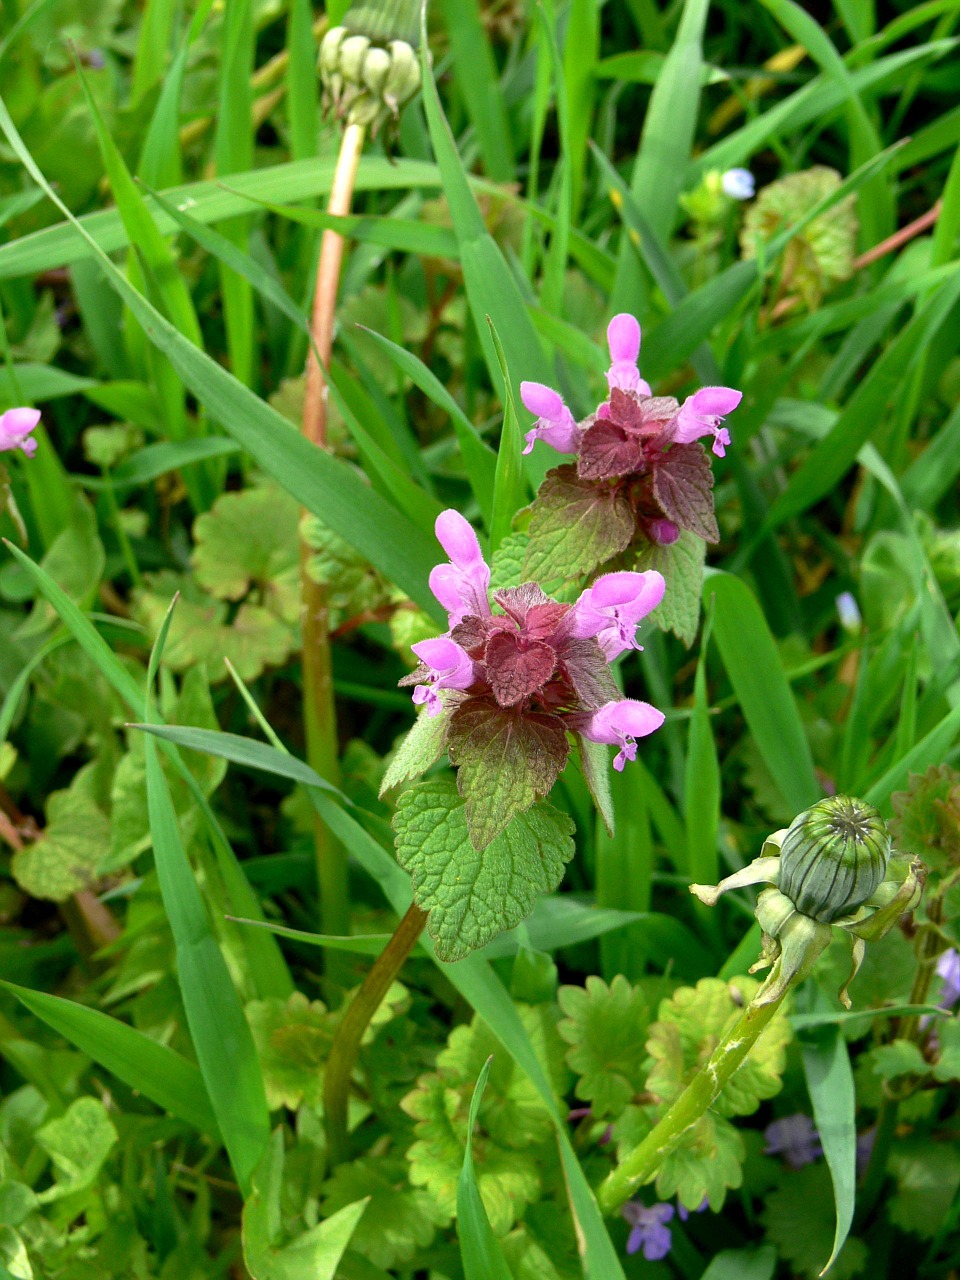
{"x":322,"y":483}
{"x":153,"y":45}
{"x":862,"y":414}
{"x":480,"y":1249}
{"x":303,"y":98}
{"x":153,"y":1069}
{"x":473,"y":977}
{"x":491,"y":288}
{"x":219,"y":1031}
{"x":701,"y":790}
{"x":555,"y":267}
{"x":756,"y":673}
{"x":509,"y":492}
{"x":826,"y":1064}
{"x":477,"y":80}
{"x":580,"y":53}
{"x":931,"y":749}
{"x":666,"y":143}
{"x":480,"y":461}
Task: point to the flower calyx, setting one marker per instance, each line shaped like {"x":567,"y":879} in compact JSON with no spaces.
{"x":369,"y":65}
{"x":833,"y":867}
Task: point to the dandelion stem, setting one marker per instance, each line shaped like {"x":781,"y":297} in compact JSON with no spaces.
{"x":346,"y":1042}
{"x":642,"y":1164}
{"x":319,"y":713}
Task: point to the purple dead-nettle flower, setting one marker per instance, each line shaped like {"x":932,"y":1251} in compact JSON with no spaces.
{"x":663,"y":532}
{"x":15,"y":428}
{"x":621,"y":723}
{"x":462,"y":585}
{"x":702,"y":413}
{"x":948,"y":968}
{"x":623,"y":339}
{"x":522,"y":669}
{"x":795,"y":1138}
{"x":612,"y":608}
{"x":555,"y":423}
{"x":448,"y":667}
{"x":649,"y":1230}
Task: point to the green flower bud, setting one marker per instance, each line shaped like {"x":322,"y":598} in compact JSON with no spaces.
{"x":833,"y":857}
{"x":369,"y":65}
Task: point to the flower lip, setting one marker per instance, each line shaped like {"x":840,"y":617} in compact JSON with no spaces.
{"x":612,"y":608}
{"x":555,"y":423}
{"x":15,"y":427}
{"x":621,"y":723}
{"x":462,"y":586}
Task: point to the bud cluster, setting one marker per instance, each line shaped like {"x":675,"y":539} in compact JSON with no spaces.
{"x":367,"y":78}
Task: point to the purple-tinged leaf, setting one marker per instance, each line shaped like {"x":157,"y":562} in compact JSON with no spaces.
{"x":587,"y":670}
{"x":576,"y":525}
{"x":683,"y":486}
{"x":517,"y":667}
{"x":505,"y":761}
{"x":608,"y":451}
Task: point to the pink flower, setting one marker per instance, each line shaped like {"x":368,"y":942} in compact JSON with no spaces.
{"x":15,"y":428}
{"x":450,"y":668}
{"x":462,"y":585}
{"x":663,"y":532}
{"x":612,"y":608}
{"x":555,"y":423}
{"x":622,"y":723}
{"x":623,"y":339}
{"x":701,"y":414}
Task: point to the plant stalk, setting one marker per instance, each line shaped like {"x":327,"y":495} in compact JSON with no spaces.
{"x":643,"y":1162}
{"x":319,"y":713}
{"x":346,"y":1041}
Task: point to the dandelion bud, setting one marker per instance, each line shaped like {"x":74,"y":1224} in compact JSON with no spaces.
{"x":369,"y":65}
{"x":833,"y":857}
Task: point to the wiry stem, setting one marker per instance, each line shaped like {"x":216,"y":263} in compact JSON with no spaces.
{"x":346,"y":1042}
{"x":703,"y":1090}
{"x":318,"y":705}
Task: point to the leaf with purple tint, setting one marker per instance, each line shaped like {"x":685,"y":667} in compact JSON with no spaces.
{"x":517,"y":667}
{"x":588,"y":672}
{"x":683,"y":486}
{"x":608,"y":451}
{"x":506,"y":760}
{"x":576,"y":525}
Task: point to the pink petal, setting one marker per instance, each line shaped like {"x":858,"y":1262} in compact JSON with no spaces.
{"x":441,"y":654}
{"x":623,"y":339}
{"x":458,"y":539}
{"x":636,"y":719}
{"x":20,"y":421}
{"x":542,"y":401}
{"x":714,"y":402}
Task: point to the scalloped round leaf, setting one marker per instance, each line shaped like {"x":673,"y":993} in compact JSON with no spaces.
{"x":606,"y":1028}
{"x":246,"y":538}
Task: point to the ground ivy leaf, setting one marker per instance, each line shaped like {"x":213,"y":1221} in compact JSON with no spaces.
{"x":575,"y":525}
{"x":472,"y":896}
{"x":799,"y":1219}
{"x":75,"y":840}
{"x":247,"y":538}
{"x":506,"y":760}
{"x":682,"y":566}
{"x":683,"y":485}
{"x":928,"y":1180}
{"x":293,"y":1039}
{"x":606,"y":1028}
{"x":78,"y":1143}
{"x":420,"y":748}
{"x":400,"y":1220}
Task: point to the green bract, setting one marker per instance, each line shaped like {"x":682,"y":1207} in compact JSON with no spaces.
{"x":832,"y":867}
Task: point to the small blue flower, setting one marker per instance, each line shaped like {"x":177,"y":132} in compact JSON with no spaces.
{"x":948,"y":968}
{"x":795,"y":1138}
{"x":739,"y":184}
{"x":649,"y":1229}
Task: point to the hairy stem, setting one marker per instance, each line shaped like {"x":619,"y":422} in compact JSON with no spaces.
{"x":643,"y":1162}
{"x":346,"y":1042}
{"x":318,"y":705}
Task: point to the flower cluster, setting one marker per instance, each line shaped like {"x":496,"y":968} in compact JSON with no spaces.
{"x":525,"y":668}
{"x":15,"y":428}
{"x":640,"y":443}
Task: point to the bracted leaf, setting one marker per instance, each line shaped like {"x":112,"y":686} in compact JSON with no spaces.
{"x":681,"y":564}
{"x":506,"y":760}
{"x":473,"y":895}
{"x":575,"y":525}
{"x":683,"y":485}
{"x":420,"y":748}
{"x":606,"y":1028}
